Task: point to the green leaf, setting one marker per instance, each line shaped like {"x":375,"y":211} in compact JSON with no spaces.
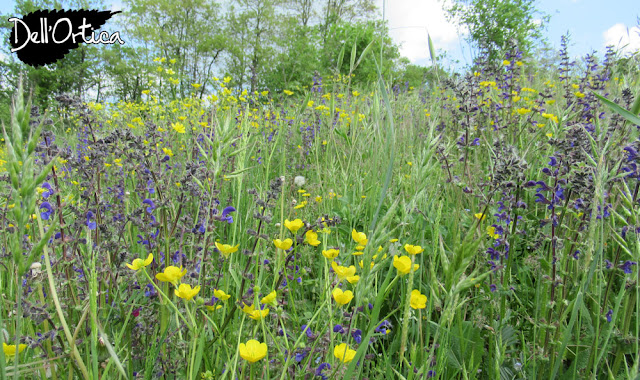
{"x":432,"y":50}
{"x":364,"y":53}
{"x":619,"y":110}
{"x":353,"y":56}
{"x":37,"y":249}
{"x":112,"y":353}
{"x":199,"y":352}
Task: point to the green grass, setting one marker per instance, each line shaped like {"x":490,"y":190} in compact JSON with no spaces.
{"x":442,"y":168}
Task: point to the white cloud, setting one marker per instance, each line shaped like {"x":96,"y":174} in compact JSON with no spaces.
{"x":622,"y":37}
{"x":411,"y":20}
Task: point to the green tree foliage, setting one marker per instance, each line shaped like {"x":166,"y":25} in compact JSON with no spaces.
{"x":251,"y":25}
{"x":260,"y":44}
{"x":127,"y":73}
{"x":493,"y":24}
{"x":296,"y":56}
{"x":336,"y":11}
{"x":410,"y":75}
{"x":345,"y":35}
{"x":78,"y":73}
{"x":189,"y":31}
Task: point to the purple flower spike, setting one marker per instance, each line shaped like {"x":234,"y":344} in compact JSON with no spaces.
{"x":308,"y":332}
{"x":48,"y":209}
{"x":321,"y":368}
{"x":357,"y":336}
{"x":49,"y":191}
{"x":626,"y":267}
{"x":151,"y":205}
{"x":91,"y":224}
{"x":225,"y":214}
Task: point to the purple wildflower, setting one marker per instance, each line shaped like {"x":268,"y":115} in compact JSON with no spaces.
{"x":626,"y":266}
{"x":48,"y":192}
{"x":48,"y":209}
{"x":151,"y":205}
{"x":225,"y":214}
{"x":91,"y":224}
{"x":357,"y":336}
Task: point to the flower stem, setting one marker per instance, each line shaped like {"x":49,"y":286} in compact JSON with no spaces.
{"x":168,"y":300}
{"x":18,"y":327}
{"x":54,"y":295}
{"x":407,"y":310}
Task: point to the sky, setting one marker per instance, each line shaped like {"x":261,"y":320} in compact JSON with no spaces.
{"x":592,"y":24}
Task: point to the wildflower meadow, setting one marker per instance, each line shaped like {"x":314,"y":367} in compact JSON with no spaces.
{"x":482,"y":226}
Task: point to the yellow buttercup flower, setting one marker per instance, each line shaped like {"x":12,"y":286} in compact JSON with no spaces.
{"x":171,"y":274}
{"x":255,"y":314}
{"x":403,"y":264}
{"x":220,"y":294}
{"x":293,"y":226}
{"x":311,"y":238}
{"x":353,"y":279}
{"x":226,"y":249}
{"x":330,"y":253}
{"x":343,"y":272}
{"x":252,"y":351}
{"x":341,"y":297}
{"x":359,"y":237}
{"x":139,"y":263}
{"x":10,"y":349}
{"x":343,"y":353}
{"x":283,"y":244}
{"x":178,"y":127}
{"x":185,"y":291}
{"x":418,"y":300}
{"x":413,"y":249}
{"x":269,"y":299}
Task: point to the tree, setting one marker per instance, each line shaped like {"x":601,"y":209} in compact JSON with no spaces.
{"x":77,"y":73}
{"x":418,"y":77}
{"x":336,"y":11}
{"x":189,"y":31}
{"x":251,"y":26}
{"x":295,"y":56}
{"x":493,"y":24}
{"x":345,"y":34}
